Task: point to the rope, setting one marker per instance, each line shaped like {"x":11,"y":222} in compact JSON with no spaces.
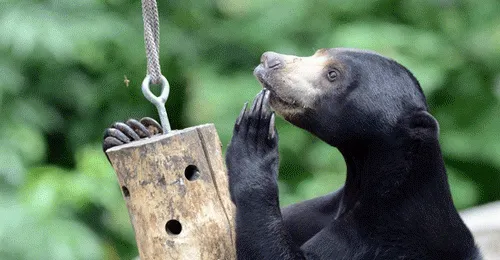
{"x":152,"y":39}
{"x":154,"y":76}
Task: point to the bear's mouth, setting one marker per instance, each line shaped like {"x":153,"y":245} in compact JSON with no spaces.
{"x":277,"y":99}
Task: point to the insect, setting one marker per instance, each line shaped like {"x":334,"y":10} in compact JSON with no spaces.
{"x":126,"y":80}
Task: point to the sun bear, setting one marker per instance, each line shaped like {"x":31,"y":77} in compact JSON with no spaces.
{"x":395,"y":203}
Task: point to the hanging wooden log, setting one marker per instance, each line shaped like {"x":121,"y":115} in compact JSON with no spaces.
{"x":176,"y":190}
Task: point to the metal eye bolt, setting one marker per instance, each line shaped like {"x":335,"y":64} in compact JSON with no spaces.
{"x":158,"y":102}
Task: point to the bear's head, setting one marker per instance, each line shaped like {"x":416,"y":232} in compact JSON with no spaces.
{"x":341,"y":95}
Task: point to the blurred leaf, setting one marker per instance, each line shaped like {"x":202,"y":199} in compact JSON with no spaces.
{"x":24,"y":140}
{"x":63,"y":67}
{"x":465,"y":193}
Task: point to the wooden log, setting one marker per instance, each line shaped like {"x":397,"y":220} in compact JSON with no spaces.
{"x":176,"y":190}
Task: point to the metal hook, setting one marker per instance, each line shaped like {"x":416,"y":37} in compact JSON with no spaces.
{"x":158,"y":102}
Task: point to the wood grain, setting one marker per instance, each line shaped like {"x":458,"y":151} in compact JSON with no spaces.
{"x":152,"y":174}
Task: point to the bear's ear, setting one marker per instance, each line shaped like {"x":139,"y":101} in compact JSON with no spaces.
{"x":422,"y":122}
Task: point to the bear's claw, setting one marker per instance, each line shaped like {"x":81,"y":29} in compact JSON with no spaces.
{"x":132,"y":130}
{"x":258,"y":116}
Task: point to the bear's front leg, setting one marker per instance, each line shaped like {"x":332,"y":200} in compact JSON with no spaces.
{"x":252,"y":162}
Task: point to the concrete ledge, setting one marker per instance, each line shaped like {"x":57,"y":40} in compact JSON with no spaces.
{"x":484,"y":222}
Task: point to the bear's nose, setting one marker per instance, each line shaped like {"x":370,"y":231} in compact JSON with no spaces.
{"x":271,"y":60}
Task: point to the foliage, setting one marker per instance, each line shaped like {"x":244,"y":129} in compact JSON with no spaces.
{"x":63,"y":65}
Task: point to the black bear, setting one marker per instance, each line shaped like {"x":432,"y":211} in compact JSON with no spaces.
{"x":395,"y":203}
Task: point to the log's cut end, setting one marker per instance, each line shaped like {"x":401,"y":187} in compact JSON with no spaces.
{"x":176,"y":190}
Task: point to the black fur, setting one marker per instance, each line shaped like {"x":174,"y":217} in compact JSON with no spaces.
{"x":395,"y":203}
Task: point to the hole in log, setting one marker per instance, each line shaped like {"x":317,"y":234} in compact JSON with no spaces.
{"x":126,"y":193}
{"x":192,"y":173}
{"x":173,"y":227}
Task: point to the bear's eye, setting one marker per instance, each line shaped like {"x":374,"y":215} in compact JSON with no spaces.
{"x":332,"y":75}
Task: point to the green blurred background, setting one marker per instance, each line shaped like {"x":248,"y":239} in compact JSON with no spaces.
{"x":62,"y":70}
